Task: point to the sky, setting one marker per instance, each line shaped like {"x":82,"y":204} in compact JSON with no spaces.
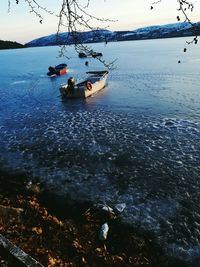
{"x":18,"y":24}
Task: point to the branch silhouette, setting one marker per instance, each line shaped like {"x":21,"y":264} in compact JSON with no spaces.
{"x":74,"y":18}
{"x":184,"y":7}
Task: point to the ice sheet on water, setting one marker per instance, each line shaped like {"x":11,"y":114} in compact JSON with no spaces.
{"x":147,"y":163}
{"x":19,"y":82}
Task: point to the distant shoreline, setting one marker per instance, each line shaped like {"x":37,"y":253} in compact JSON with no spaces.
{"x":118,"y":41}
{"x":10,"y":45}
{"x":5,"y":45}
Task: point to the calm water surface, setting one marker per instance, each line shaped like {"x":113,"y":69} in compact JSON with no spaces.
{"x":136,"y":142}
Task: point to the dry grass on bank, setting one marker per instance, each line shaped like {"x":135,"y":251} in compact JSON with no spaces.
{"x":70,"y":242}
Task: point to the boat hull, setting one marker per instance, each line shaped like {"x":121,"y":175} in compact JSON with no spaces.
{"x":57,"y":70}
{"x":82,"y":90}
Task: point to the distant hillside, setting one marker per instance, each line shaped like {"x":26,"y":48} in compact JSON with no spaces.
{"x":10,"y":45}
{"x":152,"y":32}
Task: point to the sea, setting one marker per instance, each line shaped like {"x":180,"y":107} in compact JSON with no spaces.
{"x":136,"y":142}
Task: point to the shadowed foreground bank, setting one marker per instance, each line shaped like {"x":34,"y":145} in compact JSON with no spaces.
{"x":61,"y":234}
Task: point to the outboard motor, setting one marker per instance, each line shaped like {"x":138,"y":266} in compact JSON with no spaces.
{"x":70,"y":84}
{"x":71,"y":81}
{"x":52,"y":71}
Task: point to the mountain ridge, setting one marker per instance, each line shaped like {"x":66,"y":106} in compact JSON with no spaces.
{"x":179,"y":29}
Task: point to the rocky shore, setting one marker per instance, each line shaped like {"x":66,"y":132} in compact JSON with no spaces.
{"x":68,"y":234}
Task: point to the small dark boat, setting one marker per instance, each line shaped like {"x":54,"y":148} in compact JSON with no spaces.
{"x":57,"y":70}
{"x":94,"y":54}
{"x":81,"y":55}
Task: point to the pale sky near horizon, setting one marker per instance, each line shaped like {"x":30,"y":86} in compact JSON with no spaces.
{"x":22,"y":26}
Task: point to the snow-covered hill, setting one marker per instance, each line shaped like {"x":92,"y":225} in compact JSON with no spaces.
{"x":150,"y":32}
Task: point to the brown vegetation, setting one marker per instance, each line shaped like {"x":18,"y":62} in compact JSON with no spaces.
{"x":67,"y":242}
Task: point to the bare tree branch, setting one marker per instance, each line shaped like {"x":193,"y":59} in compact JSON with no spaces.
{"x":184,"y":7}
{"x":155,"y":3}
{"x":74,"y":18}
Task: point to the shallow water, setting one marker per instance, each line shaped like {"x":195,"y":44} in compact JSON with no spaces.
{"x":135,"y":142}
